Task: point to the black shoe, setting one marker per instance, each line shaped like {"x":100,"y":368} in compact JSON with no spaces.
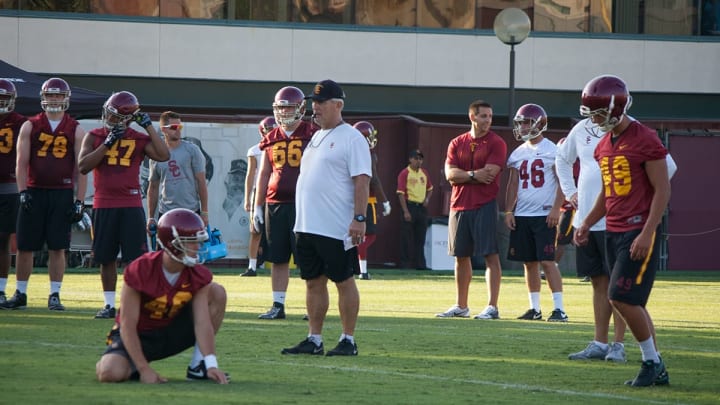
{"x":54,"y":302}
{"x":558,"y":315}
{"x":306,"y":317}
{"x":542,"y":275}
{"x":199,"y":372}
{"x":531,"y":315}
{"x":277,"y":311}
{"x":305,"y":347}
{"x":249,"y":273}
{"x":106,"y":313}
{"x":3,"y":297}
{"x":650,"y":373}
{"x":364,"y":276}
{"x":17,"y":301}
{"x":585,"y":279}
{"x":344,"y":348}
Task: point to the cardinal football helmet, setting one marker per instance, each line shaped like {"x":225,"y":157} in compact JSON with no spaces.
{"x":606,"y":96}
{"x":530,"y":122}
{"x":288,"y":97}
{"x":7,"y":96}
{"x":266,"y":125}
{"x":119,"y":109}
{"x":55,"y":85}
{"x":369,"y":131}
{"x":176,"y":229}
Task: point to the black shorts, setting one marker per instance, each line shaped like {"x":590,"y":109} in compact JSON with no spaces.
{"x":9,"y":204}
{"x":160,"y":343}
{"x":279,"y":224}
{"x":118,"y":229}
{"x":591,"y":259}
{"x":631,"y":281}
{"x":319,"y":255}
{"x":48,"y":220}
{"x":473,"y":232}
{"x":532,"y":240}
{"x":371,"y":219}
{"x":565,"y":229}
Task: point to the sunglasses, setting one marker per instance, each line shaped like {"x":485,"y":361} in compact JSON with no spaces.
{"x":174,"y":127}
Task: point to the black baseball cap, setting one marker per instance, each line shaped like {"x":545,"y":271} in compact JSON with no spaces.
{"x":416,"y":153}
{"x":326,"y":90}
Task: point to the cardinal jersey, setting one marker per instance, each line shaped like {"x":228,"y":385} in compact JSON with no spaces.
{"x":52,"y":153}
{"x":117,"y":178}
{"x":9,"y":129}
{"x":537,"y":185}
{"x":628,"y":192}
{"x":160,"y":301}
{"x":285,"y":154}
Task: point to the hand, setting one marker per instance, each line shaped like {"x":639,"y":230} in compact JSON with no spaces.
{"x":115,"y":134}
{"x":151,"y":227}
{"x":151,"y":376}
{"x":76,"y":214}
{"x":142,"y":119}
{"x":25,"y":200}
{"x":582,"y":235}
{"x":217,"y":375}
{"x":510,"y":220}
{"x":258,"y":218}
{"x":386,"y":208}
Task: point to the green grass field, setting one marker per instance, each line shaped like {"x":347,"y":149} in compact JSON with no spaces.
{"x":406,"y":355}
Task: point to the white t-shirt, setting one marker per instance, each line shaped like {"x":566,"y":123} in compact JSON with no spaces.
{"x":255,"y":152}
{"x":537,"y":185}
{"x":325,"y":194}
{"x":178,"y":185}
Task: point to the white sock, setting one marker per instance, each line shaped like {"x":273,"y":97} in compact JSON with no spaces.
{"x":647,"y":348}
{"x":22,"y":286}
{"x":279,"y":297}
{"x":534,"y":300}
{"x":317,"y":339}
{"x":348,"y":337}
{"x":602,"y":345}
{"x":109,"y":298}
{"x":197,"y":357}
{"x":3,"y":283}
{"x":558,"y":301}
{"x":55,"y":287}
{"x":363,"y":266}
{"x":252,"y":264}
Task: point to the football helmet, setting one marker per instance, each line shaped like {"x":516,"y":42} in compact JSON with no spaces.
{"x":266,"y":125}
{"x":605,"y":96}
{"x":368,"y":131}
{"x":288,"y":97}
{"x":7,"y":96}
{"x":55,"y":85}
{"x":176,"y":229}
{"x":119,"y":109}
{"x":530,"y":122}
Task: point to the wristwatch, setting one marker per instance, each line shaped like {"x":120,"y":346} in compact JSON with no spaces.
{"x":359,"y":218}
{"x":471,"y":173}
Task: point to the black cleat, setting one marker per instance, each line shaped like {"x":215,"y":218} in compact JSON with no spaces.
{"x":199,"y":372}
{"x":344,"y":348}
{"x":364,"y":276}
{"x":650,"y":373}
{"x":277,"y":311}
{"x":17,"y":301}
{"x":249,"y":273}
{"x":531,"y":315}
{"x":558,"y":315}
{"x":106,"y":313}
{"x":54,"y":302}
{"x":305,"y":347}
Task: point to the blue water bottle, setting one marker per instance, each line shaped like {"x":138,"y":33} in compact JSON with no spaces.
{"x":152,"y":229}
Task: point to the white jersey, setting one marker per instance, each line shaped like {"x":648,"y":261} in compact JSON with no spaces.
{"x":255,"y":152}
{"x":325,"y":193}
{"x":537,"y":185}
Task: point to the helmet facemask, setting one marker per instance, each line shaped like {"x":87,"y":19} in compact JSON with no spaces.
{"x":181,"y":252}
{"x":285,"y":116}
{"x":527,"y":128}
{"x":608,"y":120}
{"x":7,"y":103}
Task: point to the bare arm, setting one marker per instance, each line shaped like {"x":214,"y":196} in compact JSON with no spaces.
{"x":204,"y":331}
{"x":362,"y":190}
{"x":249,"y":177}
{"x":157,"y":149}
{"x":511,"y":197}
{"x":22,"y":161}
{"x":90,"y":158}
{"x":153,"y":193}
{"x":203,"y":195}
{"x":375,"y":183}
{"x":81,"y":188}
{"x":262,"y":180}
{"x":657,"y":172}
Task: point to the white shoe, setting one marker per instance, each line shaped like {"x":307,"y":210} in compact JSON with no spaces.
{"x":592,"y":351}
{"x":490,"y":312}
{"x":455,"y":312}
{"x":616,"y":353}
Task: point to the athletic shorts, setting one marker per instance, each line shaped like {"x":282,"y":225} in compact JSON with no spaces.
{"x":532,"y":240}
{"x":279,"y":224}
{"x":631,"y":281}
{"x":473,"y":232}
{"x":565,"y":229}
{"x":9,"y":204}
{"x":159,"y":343}
{"x":319,"y":255}
{"x":371,"y":219}
{"x":118,"y":229}
{"x":47,"y":221}
{"x":591,"y":259}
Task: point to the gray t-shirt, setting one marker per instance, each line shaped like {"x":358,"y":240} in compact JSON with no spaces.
{"x":178,"y":187}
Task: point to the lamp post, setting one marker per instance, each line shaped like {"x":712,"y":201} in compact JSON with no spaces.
{"x":512,"y":26}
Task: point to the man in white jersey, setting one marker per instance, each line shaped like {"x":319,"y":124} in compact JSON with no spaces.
{"x":533,"y":202}
{"x":591,"y":260}
{"x":331,"y":200}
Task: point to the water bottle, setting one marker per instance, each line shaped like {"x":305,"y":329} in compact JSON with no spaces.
{"x":152,"y":228}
